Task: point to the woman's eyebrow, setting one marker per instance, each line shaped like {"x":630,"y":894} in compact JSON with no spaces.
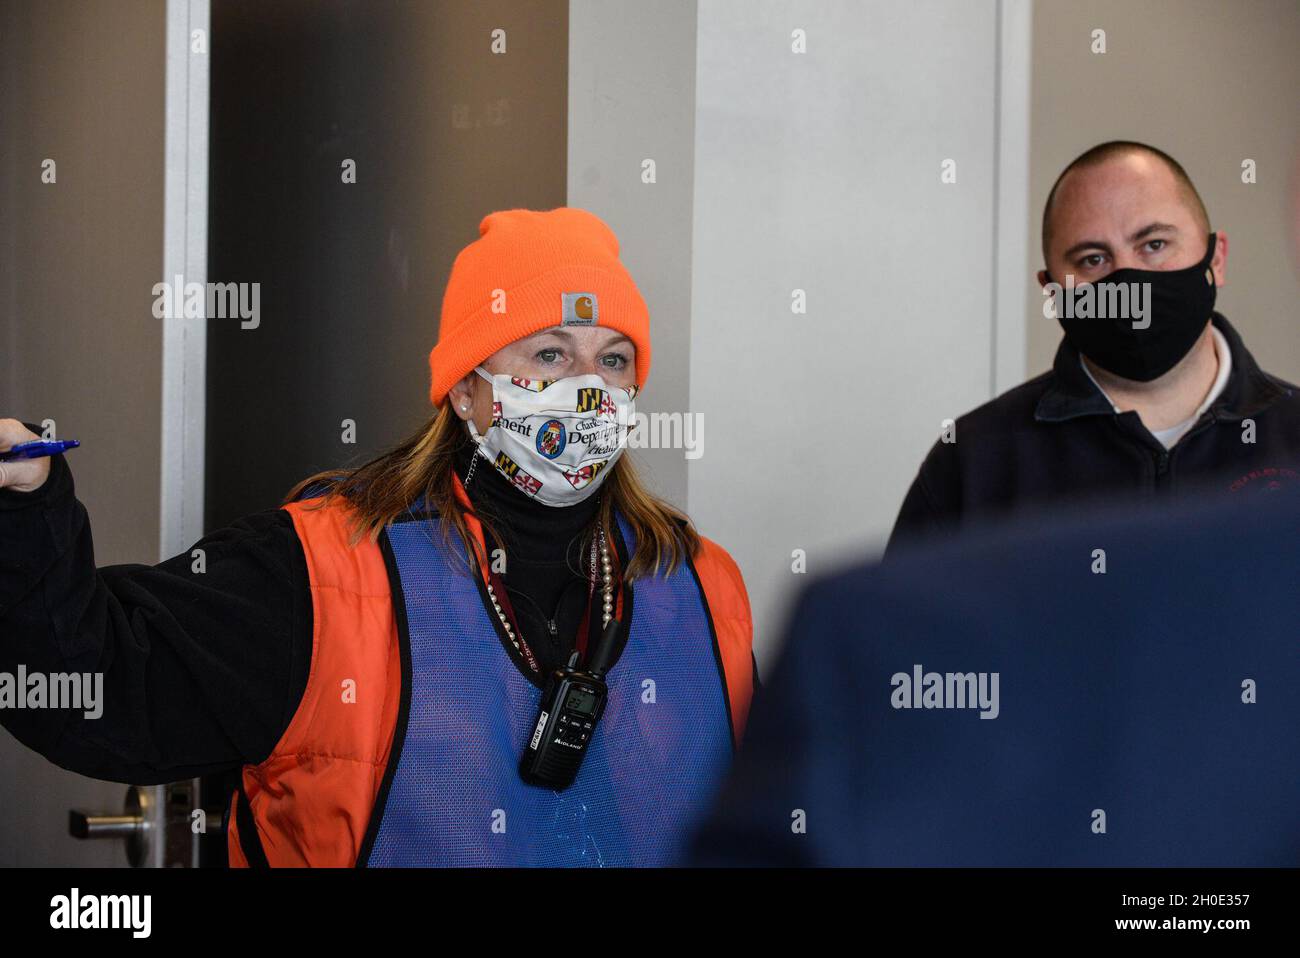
{"x":567,"y":336}
{"x":564,"y":334}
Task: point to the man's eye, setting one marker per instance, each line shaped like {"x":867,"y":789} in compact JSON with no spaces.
{"x":548,"y":355}
{"x":614,"y":360}
{"x":1156,"y":245}
{"x":1091,"y":262}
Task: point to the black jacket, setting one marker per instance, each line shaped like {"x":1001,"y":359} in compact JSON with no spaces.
{"x":202,"y":672}
{"x":1056,"y":441}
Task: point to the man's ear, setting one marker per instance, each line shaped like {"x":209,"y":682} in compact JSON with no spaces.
{"x":461,"y":396}
{"x":1042,"y":277}
{"x":1219,"y":263}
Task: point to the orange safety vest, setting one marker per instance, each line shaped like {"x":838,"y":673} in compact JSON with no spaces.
{"x":310,"y":802}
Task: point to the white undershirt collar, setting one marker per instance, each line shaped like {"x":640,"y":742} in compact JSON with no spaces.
{"x":1168,"y":437}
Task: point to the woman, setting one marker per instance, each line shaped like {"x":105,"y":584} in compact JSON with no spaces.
{"x":374,"y":655}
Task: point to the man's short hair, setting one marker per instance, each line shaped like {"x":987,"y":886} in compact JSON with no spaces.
{"x":1105,"y":151}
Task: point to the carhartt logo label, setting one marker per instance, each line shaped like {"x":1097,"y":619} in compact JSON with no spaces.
{"x":578,"y":309}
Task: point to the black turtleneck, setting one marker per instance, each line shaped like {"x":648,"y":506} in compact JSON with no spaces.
{"x":545,"y":575}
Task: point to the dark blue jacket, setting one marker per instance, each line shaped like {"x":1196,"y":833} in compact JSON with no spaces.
{"x":1120,"y":692}
{"x":1057,"y":442}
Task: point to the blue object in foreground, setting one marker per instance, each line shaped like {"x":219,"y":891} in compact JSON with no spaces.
{"x":1144,"y":671}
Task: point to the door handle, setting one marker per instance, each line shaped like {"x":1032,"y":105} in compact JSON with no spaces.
{"x":133,"y":824}
{"x":157,"y":835}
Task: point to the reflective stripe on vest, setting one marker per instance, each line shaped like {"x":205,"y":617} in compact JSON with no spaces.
{"x":454,"y":796}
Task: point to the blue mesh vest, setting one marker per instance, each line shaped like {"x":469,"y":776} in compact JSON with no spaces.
{"x":453,"y":795}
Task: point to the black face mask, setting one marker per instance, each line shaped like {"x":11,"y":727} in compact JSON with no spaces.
{"x":1173,"y":318}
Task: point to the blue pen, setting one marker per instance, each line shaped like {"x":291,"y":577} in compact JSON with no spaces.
{"x":37,"y":448}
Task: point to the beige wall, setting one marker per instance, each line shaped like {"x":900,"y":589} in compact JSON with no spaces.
{"x":82,"y":84}
{"x":1210,"y":83}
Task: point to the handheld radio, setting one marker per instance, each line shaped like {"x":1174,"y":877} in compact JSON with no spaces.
{"x":571,"y":705}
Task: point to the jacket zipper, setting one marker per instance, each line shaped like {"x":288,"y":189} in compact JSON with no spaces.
{"x":1162,"y":469}
{"x":1164,"y":459}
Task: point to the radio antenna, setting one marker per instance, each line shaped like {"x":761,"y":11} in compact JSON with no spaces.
{"x":603,"y":654}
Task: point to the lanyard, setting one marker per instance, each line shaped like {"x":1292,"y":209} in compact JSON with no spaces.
{"x":584,"y":626}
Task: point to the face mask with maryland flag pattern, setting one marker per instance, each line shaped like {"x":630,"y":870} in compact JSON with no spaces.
{"x":555,"y":439}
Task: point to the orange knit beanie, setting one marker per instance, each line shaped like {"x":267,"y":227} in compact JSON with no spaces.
{"x":530,"y":269}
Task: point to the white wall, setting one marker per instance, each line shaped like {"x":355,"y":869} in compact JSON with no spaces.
{"x":821,"y":172}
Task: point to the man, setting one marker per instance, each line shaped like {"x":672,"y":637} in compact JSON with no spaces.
{"x":1152,"y":393}
{"x":1009,"y":704}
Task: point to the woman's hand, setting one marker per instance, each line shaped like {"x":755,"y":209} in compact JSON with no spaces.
{"x":23,"y":475}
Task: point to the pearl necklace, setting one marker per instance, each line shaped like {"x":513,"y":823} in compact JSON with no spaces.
{"x":607,"y":590}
